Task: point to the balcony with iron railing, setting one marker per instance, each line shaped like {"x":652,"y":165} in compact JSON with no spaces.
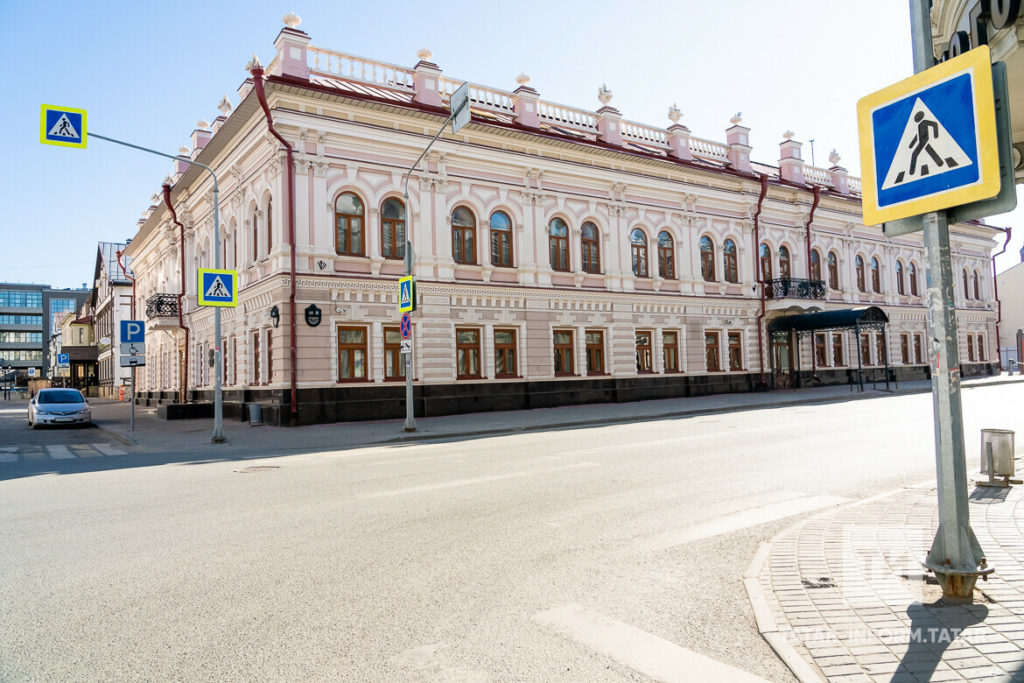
{"x":794,"y":288}
{"x":162,"y":311}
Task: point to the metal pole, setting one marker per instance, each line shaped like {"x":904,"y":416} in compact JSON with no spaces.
{"x":218,"y":389}
{"x":410,"y":417}
{"x":955,"y":556}
{"x":860,"y":356}
{"x":131,"y":426}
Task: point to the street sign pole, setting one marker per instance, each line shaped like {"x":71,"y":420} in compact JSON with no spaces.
{"x":218,"y":389}
{"x":955,"y":556}
{"x":459,"y":116}
{"x":131,"y":425}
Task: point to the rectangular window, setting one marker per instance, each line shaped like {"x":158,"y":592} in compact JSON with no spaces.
{"x":970,"y":348}
{"x":880,"y":351}
{"x":270,"y":358}
{"x":918,"y":358}
{"x":21,"y":337}
{"x":595,"y":353}
{"x":351,"y":353}
{"x":254,"y":377}
{"x":905,"y":348}
{"x":735,"y":351}
{"x":467,"y":353}
{"x":820,"y":350}
{"x":21,"y":299}
{"x":10,"y":319}
{"x":981,"y":348}
{"x":563,"y":344}
{"x":644,"y":352}
{"x":711,"y":351}
{"x":670,"y":350}
{"x":394,"y":364}
{"x":865,"y":349}
{"x":505,"y":353}
{"x":837,"y":349}
{"x":22,"y":355}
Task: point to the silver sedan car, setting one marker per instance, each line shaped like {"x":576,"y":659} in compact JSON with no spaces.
{"x":58,"y":406}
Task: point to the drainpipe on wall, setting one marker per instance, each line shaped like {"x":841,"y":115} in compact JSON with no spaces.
{"x":807,"y":228}
{"x":183,"y":386}
{"x":759,"y":276}
{"x":256,"y":70}
{"x":995,"y":291}
{"x":130,"y":277}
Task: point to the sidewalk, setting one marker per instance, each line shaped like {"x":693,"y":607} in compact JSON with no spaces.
{"x":152,"y":433}
{"x":842,"y":596}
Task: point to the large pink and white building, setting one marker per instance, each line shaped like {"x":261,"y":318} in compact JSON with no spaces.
{"x":562,"y":255}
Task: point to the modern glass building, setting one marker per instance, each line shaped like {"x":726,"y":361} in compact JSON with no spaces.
{"x":26,"y":317}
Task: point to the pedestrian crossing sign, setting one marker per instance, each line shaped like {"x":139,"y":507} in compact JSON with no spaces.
{"x":929,"y":142}
{"x":218,"y":287}
{"x":62,"y":126}
{"x":406,"y":294}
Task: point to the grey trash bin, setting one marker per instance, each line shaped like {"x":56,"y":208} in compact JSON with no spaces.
{"x":255,"y":414}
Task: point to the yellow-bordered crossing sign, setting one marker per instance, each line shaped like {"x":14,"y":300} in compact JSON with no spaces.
{"x":218,"y":287}
{"x":929,"y":142}
{"x":62,"y":126}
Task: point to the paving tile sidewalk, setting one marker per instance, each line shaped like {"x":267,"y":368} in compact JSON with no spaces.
{"x":842,"y":596}
{"x":151,"y":432}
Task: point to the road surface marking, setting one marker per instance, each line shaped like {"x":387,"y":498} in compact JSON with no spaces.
{"x":457,"y":483}
{"x":743,"y":520}
{"x":6,"y":456}
{"x":59,"y":452}
{"x":107,"y":449}
{"x":641,"y":651}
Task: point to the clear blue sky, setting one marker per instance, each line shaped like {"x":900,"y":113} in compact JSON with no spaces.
{"x":146,"y":72}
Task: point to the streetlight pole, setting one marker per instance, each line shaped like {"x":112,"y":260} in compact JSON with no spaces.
{"x":218,"y":388}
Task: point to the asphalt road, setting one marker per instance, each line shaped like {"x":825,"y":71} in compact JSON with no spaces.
{"x":587,"y":554}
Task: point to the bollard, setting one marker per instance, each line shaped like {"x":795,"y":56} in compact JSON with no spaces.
{"x":120,"y":394}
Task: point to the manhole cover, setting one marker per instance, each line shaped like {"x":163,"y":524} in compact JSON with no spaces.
{"x":257,"y":468}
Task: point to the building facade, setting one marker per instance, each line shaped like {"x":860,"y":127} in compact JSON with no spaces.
{"x":111,"y":303}
{"x":26,"y":322}
{"x":1011,"y":326}
{"x":562,"y":255}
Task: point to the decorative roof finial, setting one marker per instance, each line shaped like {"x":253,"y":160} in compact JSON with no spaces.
{"x":202,"y":124}
{"x":291,"y":20}
{"x":522,"y":79}
{"x":425,"y":54}
{"x":674,"y":114}
{"x":184,"y":151}
{"x":224,"y":106}
{"x":254,"y":63}
{"x":737,"y":117}
{"x":604,"y":94}
{"x":834,"y":157}
{"x":788,"y":135}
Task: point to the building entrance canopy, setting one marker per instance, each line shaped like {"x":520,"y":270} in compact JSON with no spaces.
{"x":847,"y":318}
{"x":781,"y":330}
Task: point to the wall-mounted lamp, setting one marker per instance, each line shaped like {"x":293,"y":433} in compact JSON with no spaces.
{"x":275,"y":315}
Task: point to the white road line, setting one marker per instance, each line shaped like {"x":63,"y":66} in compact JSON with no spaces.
{"x":475,"y":480}
{"x":60,"y":452}
{"x":743,"y":520}
{"x":641,"y":651}
{"x":107,"y":449}
{"x":8,"y":449}
{"x":8,"y":457}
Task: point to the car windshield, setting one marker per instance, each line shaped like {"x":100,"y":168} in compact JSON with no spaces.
{"x":60,"y":396}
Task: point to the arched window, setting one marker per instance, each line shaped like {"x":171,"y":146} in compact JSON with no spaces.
{"x":255,"y":235}
{"x":638,"y":248}
{"x":766,"y":263}
{"x":977,"y":294}
{"x":270,"y":225}
{"x":967,"y":293}
{"x":666,"y":256}
{"x":349,"y":217}
{"x":501,"y":239}
{"x":815,"y":267}
{"x":729,"y":261}
{"x":558,"y":244}
{"x":707,"y":259}
{"x":784,"y":271}
{"x":876,"y":276}
{"x":833,"y":270}
{"x":591,"y":248}
{"x":913,"y":279}
{"x":899,"y":278}
{"x":464,"y":236}
{"x":861,"y":282}
{"x":392,"y":228}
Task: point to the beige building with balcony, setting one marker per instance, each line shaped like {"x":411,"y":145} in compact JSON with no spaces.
{"x":562,"y":255}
